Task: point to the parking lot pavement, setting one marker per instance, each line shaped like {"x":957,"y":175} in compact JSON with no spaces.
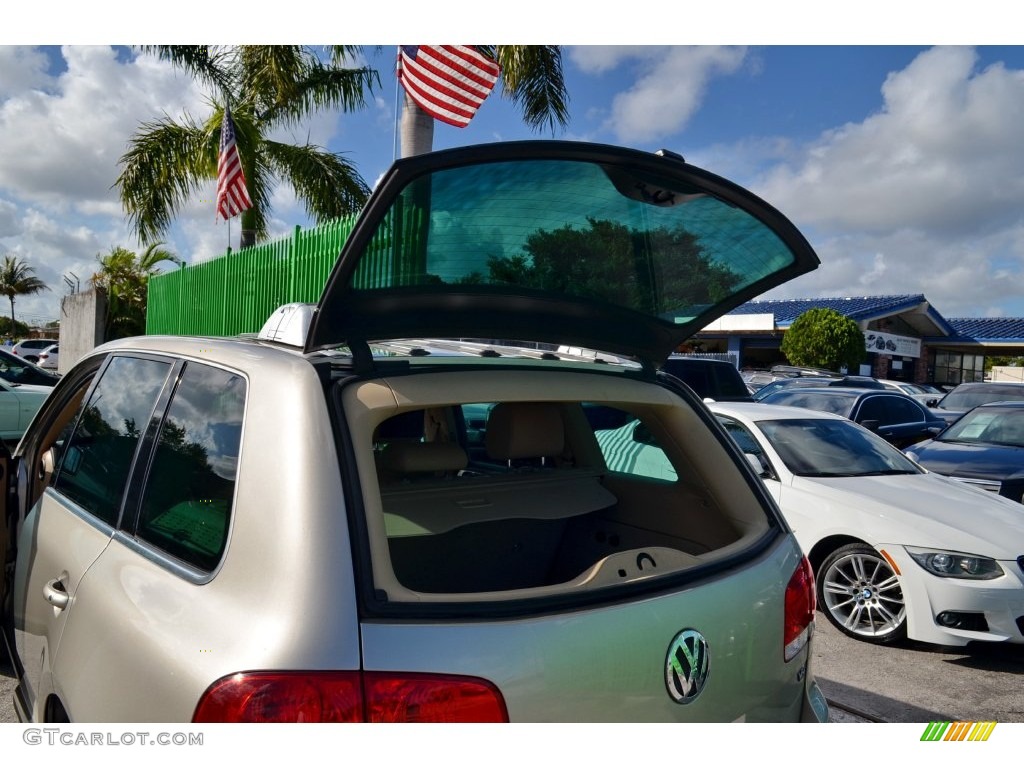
{"x":918,"y":683}
{"x":6,"y":689}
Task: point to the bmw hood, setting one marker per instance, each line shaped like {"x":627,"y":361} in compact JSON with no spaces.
{"x":926,"y":511}
{"x":566,"y":243}
{"x":33,"y":388}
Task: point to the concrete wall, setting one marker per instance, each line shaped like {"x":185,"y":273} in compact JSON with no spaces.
{"x":1007,"y":373}
{"x":82,"y":317}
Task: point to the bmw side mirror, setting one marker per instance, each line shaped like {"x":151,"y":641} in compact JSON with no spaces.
{"x":872,"y":424}
{"x":758,"y":463}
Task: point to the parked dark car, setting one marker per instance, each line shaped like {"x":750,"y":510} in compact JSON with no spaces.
{"x":861,"y":382}
{"x":969,"y":395}
{"x":711,"y":379}
{"x":985,"y":448}
{"x":898,"y":418}
{"x":793,"y":383}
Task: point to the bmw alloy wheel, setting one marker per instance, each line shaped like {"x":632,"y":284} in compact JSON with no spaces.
{"x":862,"y":595}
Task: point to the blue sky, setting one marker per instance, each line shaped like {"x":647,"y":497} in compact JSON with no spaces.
{"x":903,"y":165}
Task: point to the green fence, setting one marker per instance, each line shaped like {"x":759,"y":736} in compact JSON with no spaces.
{"x":237,"y":292}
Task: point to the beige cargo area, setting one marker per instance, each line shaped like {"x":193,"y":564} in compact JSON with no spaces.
{"x":528,"y":505}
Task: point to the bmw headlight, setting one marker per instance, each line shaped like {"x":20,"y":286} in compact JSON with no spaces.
{"x":955,"y":565}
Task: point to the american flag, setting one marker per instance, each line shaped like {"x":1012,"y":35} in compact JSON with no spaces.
{"x":448,"y":82}
{"x":232,"y":194}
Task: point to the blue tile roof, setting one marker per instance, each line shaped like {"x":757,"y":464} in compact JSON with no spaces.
{"x":990,"y":329}
{"x":858,"y":308}
{"x":963,"y":329}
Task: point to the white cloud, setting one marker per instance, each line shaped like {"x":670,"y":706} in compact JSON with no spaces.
{"x":943,"y":155}
{"x":670,"y":85}
{"x":926,"y":196}
{"x":22,"y":68}
{"x":62,"y":146}
{"x":598,"y":59}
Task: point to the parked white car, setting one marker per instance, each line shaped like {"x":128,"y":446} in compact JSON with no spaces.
{"x":48,"y":358}
{"x":897,"y":551}
{"x":30,"y":348}
{"x":18,"y":404}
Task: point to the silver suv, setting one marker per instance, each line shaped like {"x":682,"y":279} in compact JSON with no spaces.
{"x":349,"y":528}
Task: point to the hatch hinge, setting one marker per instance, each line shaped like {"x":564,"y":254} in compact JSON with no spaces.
{"x":362,"y":358}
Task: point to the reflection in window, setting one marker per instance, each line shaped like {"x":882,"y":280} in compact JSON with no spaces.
{"x":186,"y":506}
{"x":98,"y":457}
{"x":572,"y":227}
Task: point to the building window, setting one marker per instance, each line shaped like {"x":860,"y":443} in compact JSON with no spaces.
{"x":956,"y":368}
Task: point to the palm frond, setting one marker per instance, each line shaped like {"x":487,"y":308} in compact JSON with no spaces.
{"x":156,"y":253}
{"x":286,"y":83}
{"x":166,"y":163}
{"x":532,"y":77}
{"x":327,"y":184}
{"x":207,"y":63}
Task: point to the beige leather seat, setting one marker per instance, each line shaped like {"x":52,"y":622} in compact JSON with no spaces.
{"x":525,"y":431}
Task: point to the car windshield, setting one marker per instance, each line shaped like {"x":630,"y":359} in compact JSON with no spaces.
{"x":833,"y":448}
{"x":574,"y":228}
{"x":1003,"y":426}
{"x":965,"y":398}
{"x":14,"y":370}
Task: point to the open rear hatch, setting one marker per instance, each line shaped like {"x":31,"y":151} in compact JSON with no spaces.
{"x":558,"y":242}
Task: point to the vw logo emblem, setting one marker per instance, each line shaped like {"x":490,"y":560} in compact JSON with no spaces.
{"x":686,"y":666}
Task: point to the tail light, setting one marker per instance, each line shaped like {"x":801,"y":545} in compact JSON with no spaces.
{"x":799,"y":611}
{"x":350,"y":697}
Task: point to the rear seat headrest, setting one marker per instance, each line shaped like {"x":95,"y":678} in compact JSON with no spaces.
{"x":525,"y":431}
{"x":406,"y":457}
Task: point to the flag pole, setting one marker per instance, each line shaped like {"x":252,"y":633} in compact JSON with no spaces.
{"x":398,"y":113}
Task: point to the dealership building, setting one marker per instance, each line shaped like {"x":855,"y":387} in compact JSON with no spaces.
{"x":905,"y":336}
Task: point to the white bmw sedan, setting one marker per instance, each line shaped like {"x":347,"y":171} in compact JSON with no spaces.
{"x":898,"y":551}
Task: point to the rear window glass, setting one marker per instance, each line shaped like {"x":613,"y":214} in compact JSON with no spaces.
{"x":575,"y":228}
{"x":964,"y":398}
{"x":838,"y":403}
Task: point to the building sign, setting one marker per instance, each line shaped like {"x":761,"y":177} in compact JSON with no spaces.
{"x":890,"y":344}
{"x":761,"y":322}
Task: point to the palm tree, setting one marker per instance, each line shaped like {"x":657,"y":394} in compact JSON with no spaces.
{"x":124,"y":275}
{"x":531,"y":76}
{"x":267,"y":87}
{"x":17,"y":278}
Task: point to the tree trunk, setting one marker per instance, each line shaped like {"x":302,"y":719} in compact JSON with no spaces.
{"x":14,"y":331}
{"x":417,"y":129}
{"x":248,"y":236}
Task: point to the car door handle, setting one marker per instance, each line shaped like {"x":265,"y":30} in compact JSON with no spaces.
{"x":55,"y":593}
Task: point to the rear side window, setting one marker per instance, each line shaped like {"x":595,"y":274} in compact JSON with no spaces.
{"x":186,"y":506}
{"x":903,"y":411}
{"x":98,"y":456}
{"x":632,"y":449}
